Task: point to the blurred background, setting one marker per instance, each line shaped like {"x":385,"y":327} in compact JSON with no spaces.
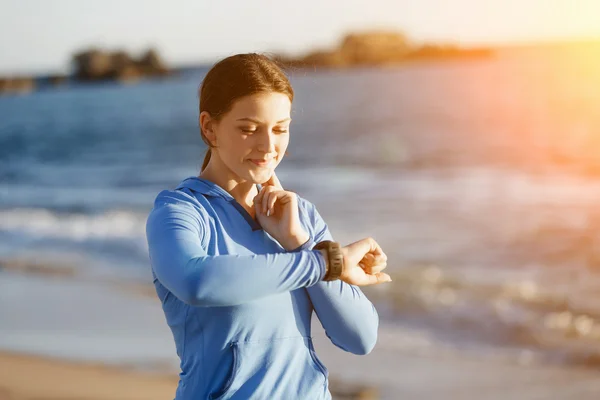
{"x":463,"y":136}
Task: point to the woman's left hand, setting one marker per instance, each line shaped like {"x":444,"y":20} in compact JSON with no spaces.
{"x":277,"y":212}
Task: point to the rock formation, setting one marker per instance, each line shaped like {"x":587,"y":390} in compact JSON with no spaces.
{"x":97,"y":65}
{"x":16,"y":85}
{"x":377,"y":48}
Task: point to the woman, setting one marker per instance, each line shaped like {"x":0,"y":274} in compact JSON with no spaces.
{"x":233,"y":254}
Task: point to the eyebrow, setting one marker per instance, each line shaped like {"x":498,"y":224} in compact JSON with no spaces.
{"x":258,"y":122}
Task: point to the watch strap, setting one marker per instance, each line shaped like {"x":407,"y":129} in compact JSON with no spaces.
{"x":335,"y":258}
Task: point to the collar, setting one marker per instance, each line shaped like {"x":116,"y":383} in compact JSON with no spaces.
{"x":207,"y":188}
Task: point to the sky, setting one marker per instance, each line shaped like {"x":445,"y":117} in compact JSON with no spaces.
{"x":41,"y":35}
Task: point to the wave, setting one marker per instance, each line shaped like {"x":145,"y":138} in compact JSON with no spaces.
{"x":91,"y":246}
{"x":526,"y":317}
{"x":43,"y":222}
{"x":528,"y":313}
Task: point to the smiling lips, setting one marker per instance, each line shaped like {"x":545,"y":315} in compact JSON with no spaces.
{"x":262,"y":163}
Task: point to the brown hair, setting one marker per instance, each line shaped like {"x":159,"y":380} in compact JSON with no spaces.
{"x":238,"y":76}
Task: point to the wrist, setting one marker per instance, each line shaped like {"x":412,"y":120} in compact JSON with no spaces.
{"x":335,"y":259}
{"x":325,"y":254}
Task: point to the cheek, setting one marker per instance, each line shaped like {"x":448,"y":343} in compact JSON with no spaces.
{"x":282,"y":144}
{"x":236,"y":145}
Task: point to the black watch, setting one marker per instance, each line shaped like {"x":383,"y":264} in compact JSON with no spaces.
{"x":335,"y":264}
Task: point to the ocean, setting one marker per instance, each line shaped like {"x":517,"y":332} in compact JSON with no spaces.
{"x":479,"y":178}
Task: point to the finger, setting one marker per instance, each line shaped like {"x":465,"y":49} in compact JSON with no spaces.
{"x":280,"y":197}
{"x":366,"y":280}
{"x":259,"y":198}
{"x":376,"y":250}
{"x":374,"y":269}
{"x":265,"y":198}
{"x":374,"y":247}
{"x":375,"y":259}
{"x":369,"y":245}
{"x":366,"y":261}
{"x":257,"y":206}
{"x":382,"y":277}
{"x":373,"y":264}
{"x":376,"y":279}
{"x":271,"y":202}
{"x":274,"y":181}
{"x":369,"y":259}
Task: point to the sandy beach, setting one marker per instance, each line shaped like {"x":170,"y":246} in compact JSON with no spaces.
{"x":78,"y":339}
{"x":25,"y":377}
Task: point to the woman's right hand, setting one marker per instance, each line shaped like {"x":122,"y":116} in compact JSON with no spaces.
{"x":363,"y":262}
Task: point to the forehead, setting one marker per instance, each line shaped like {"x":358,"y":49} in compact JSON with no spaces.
{"x":266,"y":107}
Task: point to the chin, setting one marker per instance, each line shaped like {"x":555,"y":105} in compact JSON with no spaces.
{"x":259,"y":177}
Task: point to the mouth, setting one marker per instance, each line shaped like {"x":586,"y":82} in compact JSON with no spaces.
{"x":262,"y":163}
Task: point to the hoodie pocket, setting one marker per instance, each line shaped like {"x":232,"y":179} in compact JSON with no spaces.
{"x":220,"y":394}
{"x":283,"y":368}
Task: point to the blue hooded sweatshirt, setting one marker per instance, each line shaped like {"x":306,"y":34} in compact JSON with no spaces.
{"x":240,"y":306}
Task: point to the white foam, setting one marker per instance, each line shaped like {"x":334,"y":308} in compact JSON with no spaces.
{"x":40,"y":222}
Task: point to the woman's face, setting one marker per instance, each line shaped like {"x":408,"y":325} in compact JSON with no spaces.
{"x":253,"y":136}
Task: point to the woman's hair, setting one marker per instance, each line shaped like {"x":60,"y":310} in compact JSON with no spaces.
{"x":238,"y":76}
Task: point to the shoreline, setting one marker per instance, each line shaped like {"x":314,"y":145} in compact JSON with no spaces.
{"x":57,"y":378}
{"x":47,"y":341}
{"x":416,"y":377}
{"x":28,"y":377}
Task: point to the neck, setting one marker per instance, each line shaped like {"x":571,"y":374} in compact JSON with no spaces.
{"x":241,"y":190}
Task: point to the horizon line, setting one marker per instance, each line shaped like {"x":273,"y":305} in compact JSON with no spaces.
{"x":512,"y":44}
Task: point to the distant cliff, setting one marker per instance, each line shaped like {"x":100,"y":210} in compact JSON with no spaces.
{"x":91,"y":66}
{"x":378,"y":48}
{"x":16,"y":85}
{"x":95,"y":65}
{"x":356,"y":49}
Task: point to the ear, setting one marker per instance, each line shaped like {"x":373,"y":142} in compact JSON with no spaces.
{"x":207,"y":125}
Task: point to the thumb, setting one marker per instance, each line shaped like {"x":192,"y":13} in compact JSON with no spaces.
{"x":383,"y":277}
{"x":374,"y":279}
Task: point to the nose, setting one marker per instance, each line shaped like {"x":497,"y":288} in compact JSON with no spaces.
{"x":266,"y":142}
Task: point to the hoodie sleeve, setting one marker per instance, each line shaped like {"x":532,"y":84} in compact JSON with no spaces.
{"x":350,"y":320}
{"x":174,"y":232}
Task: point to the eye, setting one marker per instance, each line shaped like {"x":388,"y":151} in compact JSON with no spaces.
{"x":248,"y":131}
{"x":280,"y":130}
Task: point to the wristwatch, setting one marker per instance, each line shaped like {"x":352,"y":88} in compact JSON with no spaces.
{"x":335,"y":259}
